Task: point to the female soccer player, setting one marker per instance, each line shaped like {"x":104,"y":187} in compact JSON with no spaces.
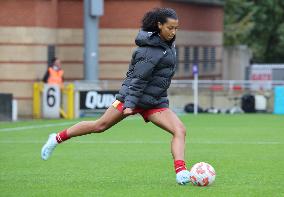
{"x":144,"y":89}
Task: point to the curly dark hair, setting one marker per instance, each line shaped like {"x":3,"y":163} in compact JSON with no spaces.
{"x":151,"y":18}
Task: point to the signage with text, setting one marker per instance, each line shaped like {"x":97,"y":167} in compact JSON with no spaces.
{"x":96,"y":99}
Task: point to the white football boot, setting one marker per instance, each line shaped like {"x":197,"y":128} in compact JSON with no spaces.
{"x":182,"y":177}
{"x":49,"y":146}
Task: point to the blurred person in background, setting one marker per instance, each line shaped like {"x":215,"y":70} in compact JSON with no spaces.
{"x":143,"y":91}
{"x":54,"y":73}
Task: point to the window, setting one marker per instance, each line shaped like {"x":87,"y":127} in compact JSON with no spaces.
{"x":205,"y":59}
{"x":50,"y":54}
{"x":202,"y":56}
{"x":212,"y":58}
{"x":195,"y":56}
{"x":186,"y":59}
{"x":177,"y":58}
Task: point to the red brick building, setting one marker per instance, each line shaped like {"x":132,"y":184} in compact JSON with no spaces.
{"x":29,"y":27}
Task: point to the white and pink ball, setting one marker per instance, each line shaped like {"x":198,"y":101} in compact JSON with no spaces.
{"x":202,"y":174}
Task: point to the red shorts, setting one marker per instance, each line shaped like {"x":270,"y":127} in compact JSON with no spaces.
{"x":145,"y":113}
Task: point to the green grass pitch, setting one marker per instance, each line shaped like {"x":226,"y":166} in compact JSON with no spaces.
{"x":134,"y":159}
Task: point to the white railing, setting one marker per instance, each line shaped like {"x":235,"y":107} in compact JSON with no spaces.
{"x":228,"y":84}
{"x":221,"y":94}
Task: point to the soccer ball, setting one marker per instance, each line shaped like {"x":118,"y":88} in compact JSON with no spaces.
{"x":202,"y":174}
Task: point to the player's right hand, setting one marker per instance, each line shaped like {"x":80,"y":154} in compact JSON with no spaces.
{"x":128,"y":111}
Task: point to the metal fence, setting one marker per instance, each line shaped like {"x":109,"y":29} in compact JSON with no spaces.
{"x":221,"y":94}
{"x":212,"y":94}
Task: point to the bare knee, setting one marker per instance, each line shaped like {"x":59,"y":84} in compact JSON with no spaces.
{"x":180,"y":131}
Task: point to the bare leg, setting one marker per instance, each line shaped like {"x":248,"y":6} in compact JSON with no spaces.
{"x":107,"y":120}
{"x":169,"y":121}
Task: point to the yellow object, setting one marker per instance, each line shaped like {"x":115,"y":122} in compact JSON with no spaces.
{"x":116,"y":103}
{"x":69,"y":91}
{"x":62,"y":113}
{"x":37,"y":89}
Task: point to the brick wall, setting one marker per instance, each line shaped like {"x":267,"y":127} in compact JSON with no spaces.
{"x":27,"y":27}
{"x":195,"y":17}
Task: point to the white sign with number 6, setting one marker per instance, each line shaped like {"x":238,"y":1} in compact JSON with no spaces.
{"x":51,"y":101}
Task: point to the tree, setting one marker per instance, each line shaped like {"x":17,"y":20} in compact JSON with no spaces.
{"x":258,"y":24}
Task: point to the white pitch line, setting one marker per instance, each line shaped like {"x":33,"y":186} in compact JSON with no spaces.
{"x":21,"y":128}
{"x":36,"y":126}
{"x":144,"y":142}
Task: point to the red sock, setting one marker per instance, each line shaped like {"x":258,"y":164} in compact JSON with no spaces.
{"x":62,"y":136}
{"x":179,"y":165}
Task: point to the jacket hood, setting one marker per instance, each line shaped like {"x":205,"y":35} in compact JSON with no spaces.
{"x":145,"y":38}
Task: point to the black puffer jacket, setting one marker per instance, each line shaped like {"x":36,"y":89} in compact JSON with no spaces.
{"x":150,"y":72}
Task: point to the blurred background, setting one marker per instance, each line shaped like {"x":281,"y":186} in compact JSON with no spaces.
{"x":237,"y":46}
